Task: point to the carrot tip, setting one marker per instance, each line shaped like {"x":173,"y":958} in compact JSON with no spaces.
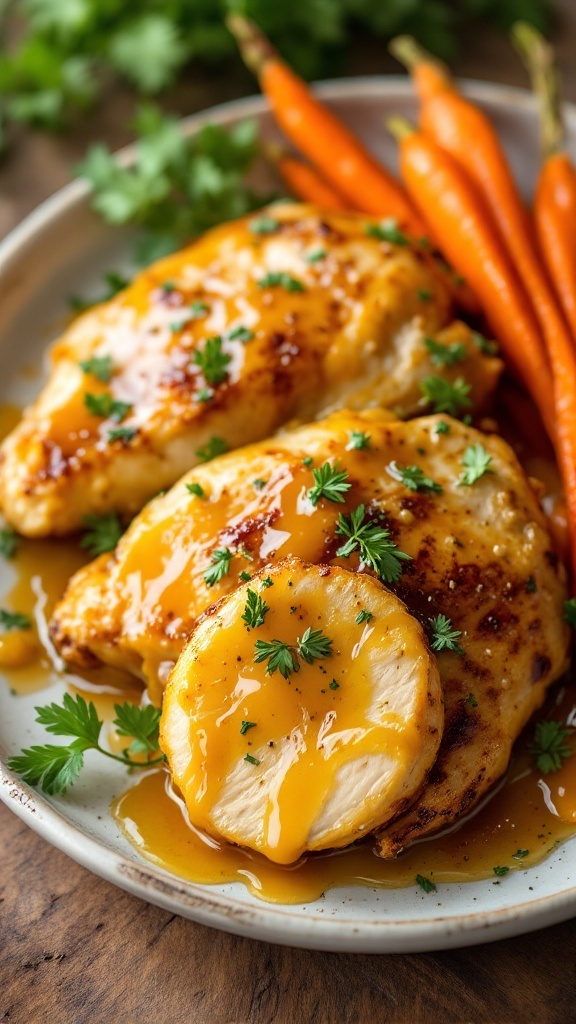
{"x":254,"y":47}
{"x":409,"y":52}
{"x":399,"y":127}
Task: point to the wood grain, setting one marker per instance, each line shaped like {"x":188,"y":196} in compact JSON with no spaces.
{"x":76,"y":950}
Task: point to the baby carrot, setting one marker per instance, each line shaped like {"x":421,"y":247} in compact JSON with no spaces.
{"x":555,"y":199}
{"x":304,"y":181}
{"x":460,"y":220}
{"x":321,"y":136}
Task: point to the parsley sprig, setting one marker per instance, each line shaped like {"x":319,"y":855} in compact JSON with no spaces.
{"x":106,"y":407}
{"x":549,"y":746}
{"x":444,"y":636}
{"x":219,"y":567}
{"x":255,"y":609}
{"x":212,"y":360}
{"x":372,"y":541}
{"x":476,"y":462}
{"x":280,"y":279}
{"x":55,"y":768}
{"x":445,"y":355}
{"x":102,"y":533}
{"x":444,"y":396}
{"x":98,"y":366}
{"x":330,"y":482}
{"x":14,"y":620}
{"x":284,"y":658}
{"x":414,"y":478}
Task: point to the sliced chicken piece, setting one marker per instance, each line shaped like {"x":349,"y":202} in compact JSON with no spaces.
{"x":481,"y":556}
{"x":321,"y":748}
{"x":219,"y":346}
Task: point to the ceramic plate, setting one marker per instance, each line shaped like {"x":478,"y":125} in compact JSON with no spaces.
{"x":62,"y":249}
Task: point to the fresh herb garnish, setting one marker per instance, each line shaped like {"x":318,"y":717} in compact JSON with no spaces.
{"x":219,"y":567}
{"x":14,"y":620}
{"x":330,"y":482}
{"x":476,"y":462}
{"x":444,"y":396}
{"x":195,"y":489}
{"x":124,"y":434}
{"x":245,"y":726}
{"x":254,"y":610}
{"x":98,"y":366}
{"x":364,"y":616}
{"x":414,"y":478}
{"x":241,"y":334}
{"x":198,"y":309}
{"x":212,"y":360}
{"x":54,"y":768}
{"x":102,"y":534}
{"x":570,"y":612}
{"x":372,"y":542}
{"x":425,"y":883}
{"x":315,"y":255}
{"x":307,"y":460}
{"x":263,"y":225}
{"x":489,"y":348}
{"x":471,"y":700}
{"x":259,"y":484}
{"x":215,"y":446}
{"x":445,"y":355}
{"x":334,"y":685}
{"x":424,"y":294}
{"x":251,"y":759}
{"x":9,"y":542}
{"x":313,"y":644}
{"x":442,"y":427}
{"x":500,"y":871}
{"x":280,"y":279}
{"x":281,"y":657}
{"x":520,"y":854}
{"x":267,"y":582}
{"x":387,"y":231}
{"x":106,"y":407}
{"x":245,"y":576}
{"x":549,"y":746}
{"x":205,"y":394}
{"x":531,"y":587}
{"x":444,"y":637}
{"x":358,"y":440}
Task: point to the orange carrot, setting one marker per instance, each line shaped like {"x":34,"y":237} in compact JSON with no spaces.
{"x":304,"y":181}
{"x":321,"y":136}
{"x":430,"y":75}
{"x":464,"y":131}
{"x":555,"y":199}
{"x":459,"y":218}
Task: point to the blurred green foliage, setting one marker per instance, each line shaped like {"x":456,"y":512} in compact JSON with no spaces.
{"x":70,"y":48}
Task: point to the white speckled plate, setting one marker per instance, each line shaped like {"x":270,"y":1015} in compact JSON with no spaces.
{"x":62,"y":249}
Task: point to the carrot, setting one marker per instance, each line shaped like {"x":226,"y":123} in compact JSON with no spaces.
{"x":321,"y":136}
{"x":430,"y":75}
{"x":555,"y":199}
{"x":304,"y":181}
{"x":464,"y":131}
{"x":459,"y":218}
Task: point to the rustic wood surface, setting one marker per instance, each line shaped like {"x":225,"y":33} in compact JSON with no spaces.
{"x":76,"y":950}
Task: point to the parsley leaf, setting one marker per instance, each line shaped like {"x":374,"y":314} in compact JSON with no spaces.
{"x":212,"y":360}
{"x":414,"y":478}
{"x":241,"y":334}
{"x":254,"y":610}
{"x":358,"y":441}
{"x":98,"y":366}
{"x":549,"y":745}
{"x":364,"y":616}
{"x":372,"y":541}
{"x":280,"y":279}
{"x":425,"y":883}
{"x":476,"y":462}
{"x":315,"y":255}
{"x":9,"y":542}
{"x":442,"y":427}
{"x":445,"y":355}
{"x":123,"y":434}
{"x":446,"y":397}
{"x":264,"y":225}
{"x":570,"y":611}
{"x":142,"y":724}
{"x":103,"y":533}
{"x":281,"y":657}
{"x":14,"y":620}
{"x":500,"y":871}
{"x":313,"y":644}
{"x":215,"y":446}
{"x":330,"y":483}
{"x":53,"y":768}
{"x":220,"y":566}
{"x":74,"y":718}
{"x":196,"y":489}
{"x":520,"y":854}
{"x":106,"y":407}
{"x":488,"y":348}
{"x":387,"y":231}
{"x":444,"y":637}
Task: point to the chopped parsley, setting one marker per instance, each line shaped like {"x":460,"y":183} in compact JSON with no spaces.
{"x":372,"y":541}
{"x":444,"y":396}
{"x":425,"y":883}
{"x":570,"y":612}
{"x":334,"y":685}
{"x":476,"y":462}
{"x":263,"y":225}
{"x":102,"y":533}
{"x":241,"y":334}
{"x":14,"y":620}
{"x":445,"y":355}
{"x":195,"y":489}
{"x":267,"y":582}
{"x":471,"y":700}
{"x":205,"y":394}
{"x":442,"y":427}
{"x":220,"y":565}
{"x":254,"y":610}
{"x":280,"y":279}
{"x":531,"y":587}
{"x":549,"y":746}
{"x":283,"y":657}
{"x":9,"y":542}
{"x":214,"y":447}
{"x":358,"y":440}
{"x":387,"y":231}
{"x":123,"y":434}
{"x":414,"y":478}
{"x":198,"y":309}
{"x":259,"y":484}
{"x":330,"y":482}
{"x":245,"y":726}
{"x":488,"y":348}
{"x":106,"y":407}
{"x":444,"y":637}
{"x":315,"y":255}
{"x":98,"y":366}
{"x":364,"y":616}
{"x":500,"y":872}
{"x":520,"y":854}
{"x":212,"y":360}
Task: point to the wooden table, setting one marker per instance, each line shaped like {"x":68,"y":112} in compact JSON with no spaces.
{"x":76,"y":950}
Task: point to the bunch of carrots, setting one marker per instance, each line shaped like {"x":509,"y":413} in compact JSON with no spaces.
{"x":459,"y":191}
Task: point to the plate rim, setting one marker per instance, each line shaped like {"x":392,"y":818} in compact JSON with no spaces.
{"x":202,"y":903}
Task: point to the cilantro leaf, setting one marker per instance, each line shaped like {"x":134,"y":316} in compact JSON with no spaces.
{"x":51,"y":767}
{"x":549,"y":746}
{"x":444,"y":637}
{"x":102,"y":534}
{"x":73,"y":718}
{"x":476,"y":462}
{"x":446,"y":397}
{"x":330,"y":483}
{"x":142,"y":724}
{"x":372,"y":541}
{"x":148,"y":50}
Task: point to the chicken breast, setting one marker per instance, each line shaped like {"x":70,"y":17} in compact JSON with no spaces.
{"x":313,"y":745}
{"x":480,"y":556}
{"x":281,"y":316}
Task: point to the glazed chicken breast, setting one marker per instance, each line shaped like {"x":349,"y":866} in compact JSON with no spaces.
{"x":479,"y":557}
{"x":285,"y":315}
